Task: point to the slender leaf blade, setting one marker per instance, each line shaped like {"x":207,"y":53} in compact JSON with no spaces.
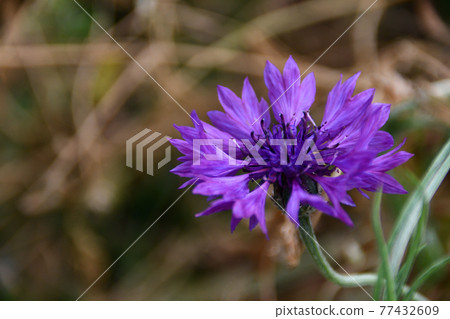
{"x":410,"y":213}
{"x":413,"y":250}
{"x":425,"y":275}
{"x":383,"y":249}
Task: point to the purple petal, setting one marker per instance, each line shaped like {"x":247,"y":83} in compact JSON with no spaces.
{"x":347,"y":200}
{"x":381,"y":142}
{"x":230,"y":102}
{"x":241,"y":116}
{"x":307,"y":92}
{"x":337,"y":97}
{"x":275,"y":84}
{"x":253,"y":222}
{"x":217,"y":206}
{"x":227,"y":124}
{"x":250,"y":100}
{"x":253,"y":205}
{"x":286,"y":93}
{"x":291,"y":89}
{"x":300,"y":196}
{"x":234,"y":222}
{"x":188,"y":183}
{"x":230,"y":187}
{"x":391,"y":160}
{"x":264,"y":112}
{"x":335,"y":188}
{"x":386,"y":163}
{"x":387,"y":182}
{"x":181,"y":145}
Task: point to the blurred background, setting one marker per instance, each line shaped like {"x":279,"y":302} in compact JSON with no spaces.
{"x":70,"y":98}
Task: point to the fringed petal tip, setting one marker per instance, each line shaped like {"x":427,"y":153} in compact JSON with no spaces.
{"x":346,"y":219}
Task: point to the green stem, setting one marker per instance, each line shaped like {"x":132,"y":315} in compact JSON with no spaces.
{"x":354,"y":280}
{"x":382,"y":247}
{"x":310,"y":241}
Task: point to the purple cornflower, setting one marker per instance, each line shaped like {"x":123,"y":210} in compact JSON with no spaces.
{"x":243,"y":155}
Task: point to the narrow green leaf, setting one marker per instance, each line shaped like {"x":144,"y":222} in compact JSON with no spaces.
{"x":410,"y":213}
{"x":382,"y":247}
{"x":378,"y":290}
{"x":413,"y":250}
{"x":379,"y":287}
{"x":425,"y":275}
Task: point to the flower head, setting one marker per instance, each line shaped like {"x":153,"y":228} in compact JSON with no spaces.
{"x":236,"y":160}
